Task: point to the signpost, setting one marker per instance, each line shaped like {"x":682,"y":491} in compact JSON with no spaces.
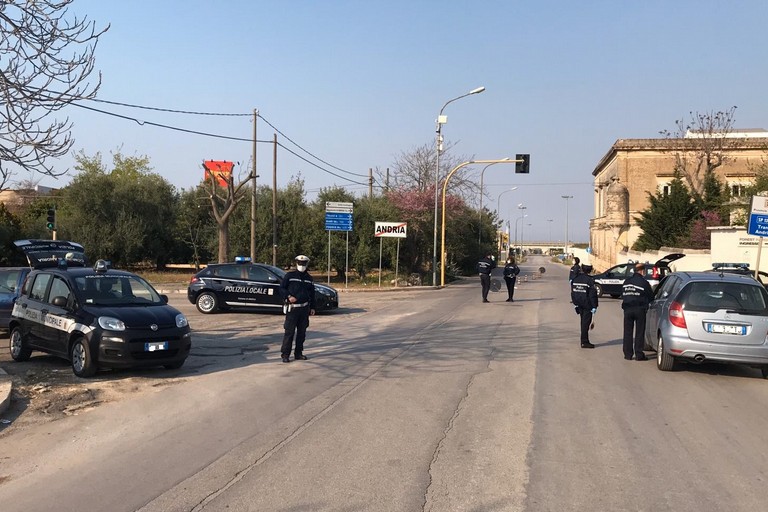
{"x":390,"y":230}
{"x":338,"y":217}
{"x":758,"y":224}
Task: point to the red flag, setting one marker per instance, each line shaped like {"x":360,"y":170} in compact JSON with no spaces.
{"x":221,"y":170}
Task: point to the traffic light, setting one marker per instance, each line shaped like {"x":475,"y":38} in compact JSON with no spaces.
{"x":522,"y":164}
{"x":50,"y":221}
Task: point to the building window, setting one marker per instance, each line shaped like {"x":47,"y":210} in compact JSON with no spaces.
{"x":737,"y":190}
{"x":665,"y":190}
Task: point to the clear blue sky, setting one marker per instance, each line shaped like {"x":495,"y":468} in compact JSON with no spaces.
{"x":357,"y":83}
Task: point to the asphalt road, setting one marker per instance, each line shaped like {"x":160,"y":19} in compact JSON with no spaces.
{"x":419,"y":401}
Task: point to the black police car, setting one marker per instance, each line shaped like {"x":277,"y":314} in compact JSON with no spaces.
{"x":94,"y":317}
{"x":246,"y":285}
{"x":612,"y":280}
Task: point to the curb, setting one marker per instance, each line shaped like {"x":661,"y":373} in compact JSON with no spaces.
{"x":6,"y":385}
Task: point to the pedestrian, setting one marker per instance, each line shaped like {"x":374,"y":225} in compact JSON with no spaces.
{"x":584,"y":298}
{"x":484,"y":268}
{"x":510,"y":276}
{"x":575,"y":269}
{"x":298,"y":291}
{"x":635,"y":297}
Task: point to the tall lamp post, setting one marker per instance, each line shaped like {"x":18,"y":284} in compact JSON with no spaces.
{"x":550,"y":231}
{"x":566,"y":224}
{"x":445,"y":187}
{"x":522,"y":216}
{"x":498,"y":206}
{"x":441,"y":120}
{"x":480,"y":216}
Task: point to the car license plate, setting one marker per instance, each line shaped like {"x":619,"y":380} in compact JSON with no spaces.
{"x":155,"y":345}
{"x":741,"y":330}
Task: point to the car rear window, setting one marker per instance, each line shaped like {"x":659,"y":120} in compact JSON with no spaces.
{"x":712,"y":296}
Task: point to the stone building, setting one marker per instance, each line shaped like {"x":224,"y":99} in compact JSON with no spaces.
{"x":634,"y":167}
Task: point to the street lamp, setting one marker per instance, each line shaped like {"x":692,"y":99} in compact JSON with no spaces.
{"x":498,"y":200}
{"x":550,"y":231}
{"x":522,"y":216}
{"x":441,"y":120}
{"x":445,"y":187}
{"x":516,"y":221}
{"x":566,"y":224}
{"x":480,"y":216}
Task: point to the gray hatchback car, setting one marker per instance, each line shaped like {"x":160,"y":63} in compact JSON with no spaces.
{"x":709,"y":317}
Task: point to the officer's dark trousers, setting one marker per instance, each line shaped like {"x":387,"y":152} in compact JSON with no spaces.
{"x":295,"y":321}
{"x":485,"y":282}
{"x":586,"y":321}
{"x":634,"y":320}
{"x":511,"y":287}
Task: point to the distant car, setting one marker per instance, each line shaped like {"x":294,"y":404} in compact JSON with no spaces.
{"x":742,"y":269}
{"x":243,"y":285}
{"x":708,"y":317}
{"x":612,"y":280}
{"x":96,"y":318}
{"x":11,"y":279}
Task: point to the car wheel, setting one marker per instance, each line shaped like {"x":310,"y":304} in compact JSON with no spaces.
{"x":764,"y":371}
{"x":615,"y":295}
{"x":599,"y":290}
{"x":174,"y":366}
{"x":664,"y":361}
{"x":19,"y":349}
{"x":82,"y":362}
{"x":207,"y":303}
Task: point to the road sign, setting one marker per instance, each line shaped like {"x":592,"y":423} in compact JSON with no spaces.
{"x":758,"y":217}
{"x":336,"y":207}
{"x":391,"y":229}
{"x":338,"y":221}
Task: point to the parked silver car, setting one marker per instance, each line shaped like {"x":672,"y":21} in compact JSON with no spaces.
{"x":709,"y":316}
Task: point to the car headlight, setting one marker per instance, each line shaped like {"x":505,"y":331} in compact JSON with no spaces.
{"x":111,"y":324}
{"x":324,"y":291}
{"x":181,"y":321}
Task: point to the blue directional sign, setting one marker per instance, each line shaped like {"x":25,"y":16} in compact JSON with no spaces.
{"x":338,"y":221}
{"x":758,"y":216}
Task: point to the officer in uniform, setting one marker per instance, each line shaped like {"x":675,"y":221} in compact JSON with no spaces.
{"x":635,"y":297}
{"x":575,"y":269}
{"x":584,"y":298}
{"x":510,"y":276}
{"x":484,"y":267}
{"x":298,"y":292}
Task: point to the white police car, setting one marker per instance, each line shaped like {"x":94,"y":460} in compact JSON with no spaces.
{"x":94,"y":317}
{"x":243,"y":285}
{"x":612,"y":280}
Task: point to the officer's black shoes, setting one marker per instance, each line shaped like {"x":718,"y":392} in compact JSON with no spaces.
{"x":485,"y":300}
{"x":286,"y":360}
{"x":301,"y":357}
{"x":587,"y":345}
{"x":628,"y":358}
{"x":510,"y":300}
{"x":641,"y":357}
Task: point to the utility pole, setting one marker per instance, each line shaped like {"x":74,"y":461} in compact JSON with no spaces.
{"x":253,"y":187}
{"x":370,"y":183}
{"x":274,"y":202}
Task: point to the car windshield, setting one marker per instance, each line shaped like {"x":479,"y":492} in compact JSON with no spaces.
{"x":712,"y":296}
{"x":8,"y":279}
{"x":116,"y":290}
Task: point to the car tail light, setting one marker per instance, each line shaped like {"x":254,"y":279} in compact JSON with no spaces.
{"x":676,"y":317}
{"x":193,"y":280}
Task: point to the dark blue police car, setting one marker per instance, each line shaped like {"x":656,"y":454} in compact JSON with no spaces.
{"x":94,"y":317}
{"x":247,"y":286}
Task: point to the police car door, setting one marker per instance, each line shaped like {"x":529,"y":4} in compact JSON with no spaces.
{"x":263,"y":288}
{"x":33,"y":309}
{"x":59,"y":317}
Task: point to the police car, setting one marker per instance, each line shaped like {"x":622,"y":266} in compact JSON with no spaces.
{"x":94,"y":317}
{"x":612,"y":280}
{"x":247,"y":286}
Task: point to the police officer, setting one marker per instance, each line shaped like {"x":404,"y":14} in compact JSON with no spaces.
{"x":484,"y":267}
{"x":635,"y":297}
{"x":510,"y":276}
{"x":584,"y":298}
{"x":298,"y":292}
{"x":575,"y":269}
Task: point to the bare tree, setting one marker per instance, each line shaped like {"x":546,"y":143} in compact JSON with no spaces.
{"x":223,"y":204}
{"x":703,"y":143}
{"x":47,"y":59}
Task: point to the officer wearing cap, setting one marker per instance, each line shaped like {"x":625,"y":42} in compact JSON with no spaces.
{"x":635,"y":297}
{"x":298,"y":292}
{"x":584,"y":298}
{"x":484,"y":268}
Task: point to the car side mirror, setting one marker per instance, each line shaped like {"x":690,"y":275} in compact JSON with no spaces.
{"x":60,"y":301}
{"x":272,"y":279}
{"x":164,"y":297}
